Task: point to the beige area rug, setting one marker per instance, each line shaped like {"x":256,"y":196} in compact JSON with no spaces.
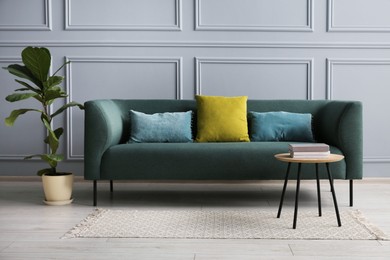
{"x":224,"y":224}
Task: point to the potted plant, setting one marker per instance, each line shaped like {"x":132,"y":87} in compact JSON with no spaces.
{"x":45,"y":89}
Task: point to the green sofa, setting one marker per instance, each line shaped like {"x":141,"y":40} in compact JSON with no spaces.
{"x":108,"y":156}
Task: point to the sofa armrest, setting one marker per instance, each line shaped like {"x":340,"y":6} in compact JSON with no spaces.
{"x":340,"y":124}
{"x":103,"y":128}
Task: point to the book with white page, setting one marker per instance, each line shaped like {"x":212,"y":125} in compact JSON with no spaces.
{"x":309,"y":147}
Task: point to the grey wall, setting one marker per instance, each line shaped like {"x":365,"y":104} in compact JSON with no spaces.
{"x":173,"y":49}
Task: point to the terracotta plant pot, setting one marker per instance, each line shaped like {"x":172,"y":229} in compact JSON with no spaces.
{"x":58,"y":189}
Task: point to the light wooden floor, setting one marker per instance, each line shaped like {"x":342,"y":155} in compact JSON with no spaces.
{"x":31,"y":230}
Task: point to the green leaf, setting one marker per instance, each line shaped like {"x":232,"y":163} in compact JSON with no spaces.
{"x":22,"y":89}
{"x":53,"y":93}
{"x":23,"y":72}
{"x":54,"y":80}
{"x":9,"y":121}
{"x":38,"y":61}
{"x":51,"y":139}
{"x":28,"y":87}
{"x":58,"y":132}
{"x":46,"y":122}
{"x":17,"y":97}
{"x":19,"y":71}
{"x":51,"y":159}
{"x":46,"y":117}
{"x":56,"y":157}
{"x":54,"y":143}
{"x":64,"y":107}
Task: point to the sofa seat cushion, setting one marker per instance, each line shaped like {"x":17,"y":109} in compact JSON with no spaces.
{"x":203,"y":161}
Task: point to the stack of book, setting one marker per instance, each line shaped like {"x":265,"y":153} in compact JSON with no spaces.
{"x":309,"y":150}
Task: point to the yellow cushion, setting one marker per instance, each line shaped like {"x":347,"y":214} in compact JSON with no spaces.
{"x":222,"y":119}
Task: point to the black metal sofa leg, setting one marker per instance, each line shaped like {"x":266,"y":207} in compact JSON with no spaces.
{"x":94,"y":193}
{"x":351,"y":193}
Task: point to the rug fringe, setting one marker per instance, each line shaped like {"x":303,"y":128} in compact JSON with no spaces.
{"x":374,"y":230}
{"x":88,"y":221}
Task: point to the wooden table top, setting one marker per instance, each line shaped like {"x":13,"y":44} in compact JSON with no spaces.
{"x":285,"y":157}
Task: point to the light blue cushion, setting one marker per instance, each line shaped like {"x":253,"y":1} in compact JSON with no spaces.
{"x":281,"y":126}
{"x":160,"y":127}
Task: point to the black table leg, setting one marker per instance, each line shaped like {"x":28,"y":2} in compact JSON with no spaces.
{"x":333,"y":195}
{"x":318,"y":192}
{"x":284,"y":190}
{"x":297,"y":196}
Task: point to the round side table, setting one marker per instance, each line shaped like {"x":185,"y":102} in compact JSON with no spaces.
{"x":285,"y":157}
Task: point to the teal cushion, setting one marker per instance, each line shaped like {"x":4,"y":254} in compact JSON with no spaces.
{"x":281,"y":126}
{"x":160,"y":127}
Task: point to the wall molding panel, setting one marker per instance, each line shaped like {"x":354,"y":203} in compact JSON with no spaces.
{"x":331,"y":64}
{"x":131,"y":25}
{"x":46,"y":26}
{"x":199,"y":62}
{"x":201,"y":24}
{"x":177,"y":61}
{"x":353,"y":26}
{"x":376,"y":159}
